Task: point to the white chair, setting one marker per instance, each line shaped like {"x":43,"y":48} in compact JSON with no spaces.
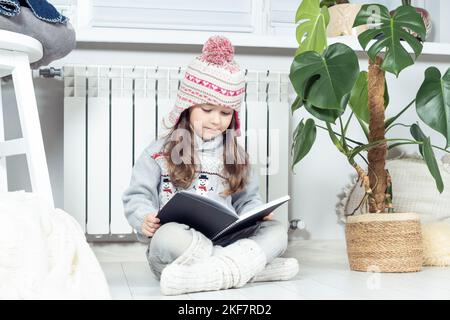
{"x":17,"y":51}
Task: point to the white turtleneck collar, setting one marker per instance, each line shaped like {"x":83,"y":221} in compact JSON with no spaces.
{"x":211,"y":145}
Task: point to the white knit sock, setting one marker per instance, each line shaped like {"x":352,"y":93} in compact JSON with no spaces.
{"x":277,"y":270}
{"x":233,"y":267}
{"x":201,"y":247}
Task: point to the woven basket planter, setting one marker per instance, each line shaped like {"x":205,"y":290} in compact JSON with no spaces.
{"x":389,"y":242}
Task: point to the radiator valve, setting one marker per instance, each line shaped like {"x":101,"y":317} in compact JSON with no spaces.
{"x":50,"y":72}
{"x":297,"y":224}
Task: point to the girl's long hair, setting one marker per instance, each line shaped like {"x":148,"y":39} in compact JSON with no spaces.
{"x":182,"y":162}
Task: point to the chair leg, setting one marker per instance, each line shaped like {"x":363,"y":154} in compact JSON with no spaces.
{"x":3,"y":171}
{"x":31,"y":128}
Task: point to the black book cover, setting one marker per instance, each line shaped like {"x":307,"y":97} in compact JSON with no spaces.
{"x":210,"y":217}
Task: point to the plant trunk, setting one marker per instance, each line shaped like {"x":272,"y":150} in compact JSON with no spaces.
{"x":377,"y":155}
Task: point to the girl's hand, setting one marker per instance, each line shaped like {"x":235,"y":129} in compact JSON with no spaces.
{"x":268,"y":217}
{"x":150,"y":225}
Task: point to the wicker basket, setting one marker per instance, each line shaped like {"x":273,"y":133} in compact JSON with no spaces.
{"x":389,"y":242}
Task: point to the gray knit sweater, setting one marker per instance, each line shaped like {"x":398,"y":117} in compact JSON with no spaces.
{"x":150,"y":187}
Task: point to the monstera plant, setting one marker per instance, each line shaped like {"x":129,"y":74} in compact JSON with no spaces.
{"x":328,"y":80}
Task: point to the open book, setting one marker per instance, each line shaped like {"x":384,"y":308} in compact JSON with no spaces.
{"x":211,"y":217}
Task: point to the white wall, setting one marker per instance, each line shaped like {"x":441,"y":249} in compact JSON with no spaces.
{"x":318,"y":178}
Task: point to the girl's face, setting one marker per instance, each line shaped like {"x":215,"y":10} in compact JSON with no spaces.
{"x":208,"y":121}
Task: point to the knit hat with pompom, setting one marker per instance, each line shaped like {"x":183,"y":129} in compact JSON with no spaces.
{"x":212,"y":78}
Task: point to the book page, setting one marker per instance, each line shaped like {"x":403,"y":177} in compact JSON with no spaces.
{"x":274,"y":203}
{"x":251,"y":217}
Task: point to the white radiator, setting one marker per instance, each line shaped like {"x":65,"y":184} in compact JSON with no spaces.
{"x":111,"y":113}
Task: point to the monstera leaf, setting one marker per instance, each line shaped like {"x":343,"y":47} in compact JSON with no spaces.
{"x":418,"y":135}
{"x":432,"y":165}
{"x":311,"y":32}
{"x":304,"y":137}
{"x":388,"y":32}
{"x":323,"y":82}
{"x":426,"y":150}
{"x":359,"y":99}
{"x":327,"y":115}
{"x":433,"y":101}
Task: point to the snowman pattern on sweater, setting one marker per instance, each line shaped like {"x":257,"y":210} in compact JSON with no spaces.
{"x":209,"y":178}
{"x":167,"y":190}
{"x":203,"y":185}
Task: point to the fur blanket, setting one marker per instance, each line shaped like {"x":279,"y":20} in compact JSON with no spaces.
{"x":44,"y":254}
{"x":436,"y":244}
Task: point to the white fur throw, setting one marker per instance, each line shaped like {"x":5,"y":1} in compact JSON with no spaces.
{"x":44,"y":254}
{"x":436,"y":242}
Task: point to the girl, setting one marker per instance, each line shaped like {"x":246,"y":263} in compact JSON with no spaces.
{"x":201,"y":155}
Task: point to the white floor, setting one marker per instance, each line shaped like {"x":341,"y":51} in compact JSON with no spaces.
{"x":324,"y":274}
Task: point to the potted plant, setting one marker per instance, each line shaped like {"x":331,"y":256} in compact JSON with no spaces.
{"x":328,"y":80}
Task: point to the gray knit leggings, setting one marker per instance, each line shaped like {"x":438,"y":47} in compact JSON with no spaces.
{"x":172,"y":239}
